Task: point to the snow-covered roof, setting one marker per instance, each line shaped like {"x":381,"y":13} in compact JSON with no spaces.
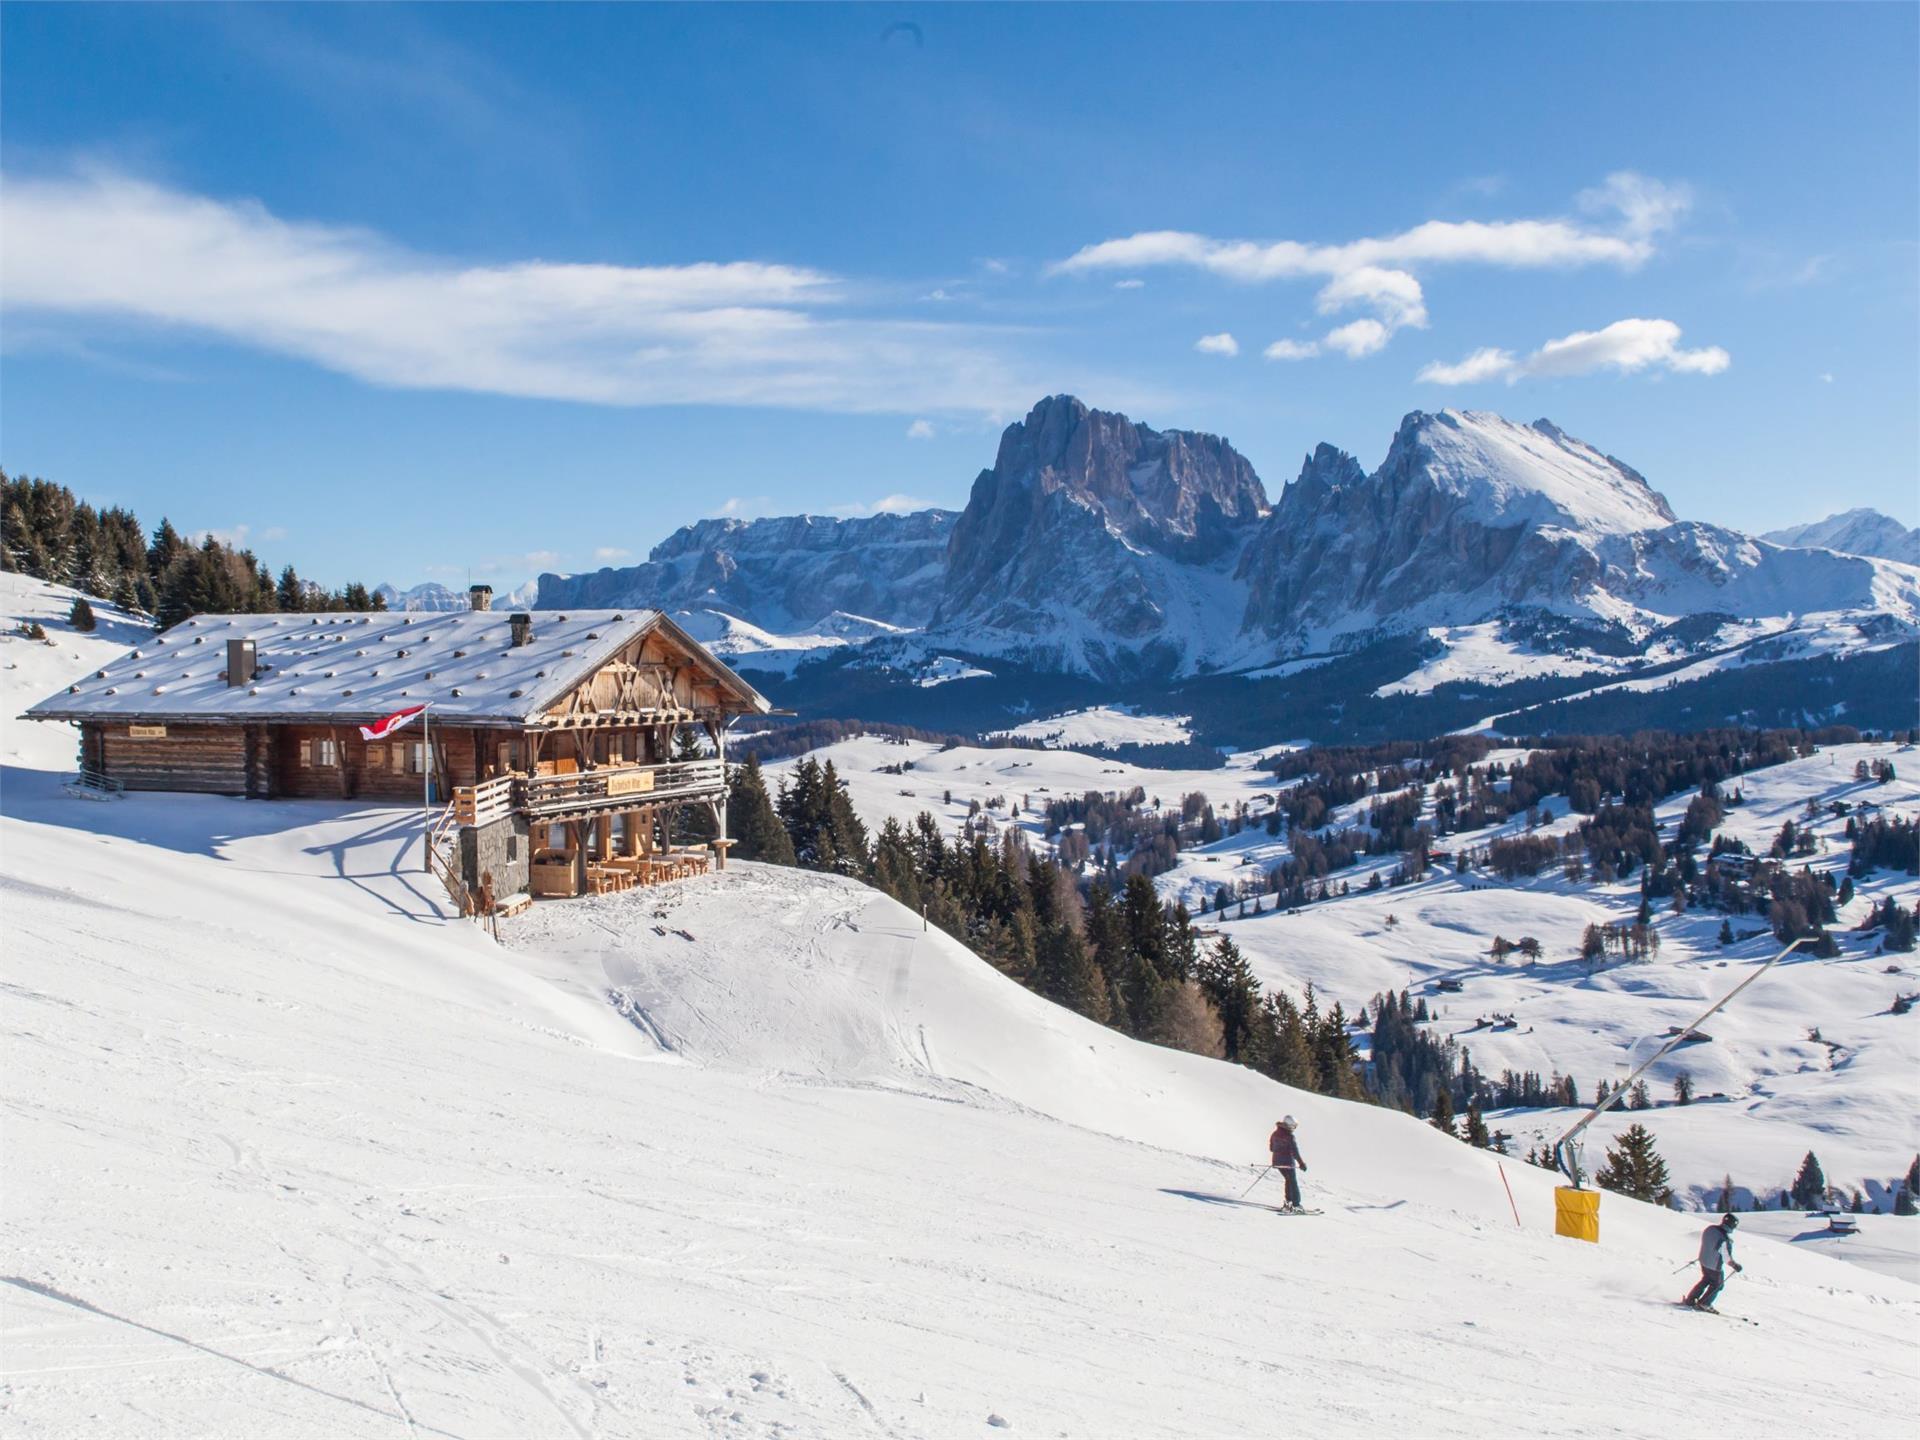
{"x":363,"y":665}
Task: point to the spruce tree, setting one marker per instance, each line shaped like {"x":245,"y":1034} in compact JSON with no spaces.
{"x":757,"y":831}
{"x":1068,"y":975}
{"x":1230,"y":985}
{"x":1476,"y":1125}
{"x":1442,"y":1117}
{"x":80,"y":617}
{"x":1634,"y":1167}
{"x":1810,"y":1185}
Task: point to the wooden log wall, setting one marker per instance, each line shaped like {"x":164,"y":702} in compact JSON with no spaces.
{"x":205,"y":759}
{"x":372,"y":770}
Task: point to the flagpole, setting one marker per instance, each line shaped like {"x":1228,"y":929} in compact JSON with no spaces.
{"x":426,"y":785}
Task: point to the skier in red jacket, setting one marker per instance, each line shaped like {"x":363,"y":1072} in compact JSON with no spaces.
{"x":1286,"y":1159}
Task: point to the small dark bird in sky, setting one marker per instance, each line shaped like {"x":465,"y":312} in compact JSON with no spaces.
{"x":903,"y":30}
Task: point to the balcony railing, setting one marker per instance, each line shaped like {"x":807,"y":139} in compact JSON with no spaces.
{"x":618,"y":787}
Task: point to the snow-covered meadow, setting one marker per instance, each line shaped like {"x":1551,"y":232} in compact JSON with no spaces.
{"x":290,"y":1151}
{"x":1849,"y":1096}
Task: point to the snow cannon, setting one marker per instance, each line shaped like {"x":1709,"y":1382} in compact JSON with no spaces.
{"x":1576,"y":1213}
{"x":1576,"y":1210}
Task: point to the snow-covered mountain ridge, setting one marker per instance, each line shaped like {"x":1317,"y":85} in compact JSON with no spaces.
{"x":1100,"y":547}
{"x":1855,"y":532}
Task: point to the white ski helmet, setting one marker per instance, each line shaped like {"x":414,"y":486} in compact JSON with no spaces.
{"x":1289,"y":1122}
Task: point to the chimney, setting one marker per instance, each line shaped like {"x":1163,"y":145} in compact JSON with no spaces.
{"x":521,"y":627}
{"x":480,"y":597}
{"x":240,"y":662}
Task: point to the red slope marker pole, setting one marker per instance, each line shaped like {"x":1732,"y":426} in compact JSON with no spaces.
{"x":1509,"y":1190}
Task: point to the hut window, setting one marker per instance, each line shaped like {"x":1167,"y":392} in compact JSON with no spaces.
{"x":376,"y":757}
{"x":416,"y":758}
{"x":306,"y":754}
{"x":326,"y":753}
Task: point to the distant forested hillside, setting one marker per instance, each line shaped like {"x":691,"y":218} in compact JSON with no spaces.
{"x":47,"y":533}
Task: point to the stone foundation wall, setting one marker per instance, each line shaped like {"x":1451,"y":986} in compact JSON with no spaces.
{"x":503,"y":849}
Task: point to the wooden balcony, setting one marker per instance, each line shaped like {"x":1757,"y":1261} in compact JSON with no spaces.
{"x":617,"y":787}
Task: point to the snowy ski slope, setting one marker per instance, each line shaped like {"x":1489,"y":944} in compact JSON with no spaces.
{"x":291,"y":1153}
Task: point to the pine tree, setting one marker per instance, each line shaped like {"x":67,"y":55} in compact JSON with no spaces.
{"x":1639,"y":1098}
{"x":1442,"y":1117}
{"x":80,"y":617}
{"x":1634,"y":1167}
{"x":1476,"y":1135}
{"x":1810,"y":1185}
{"x":290,"y":595}
{"x":1068,"y":975}
{"x":1230,"y":985}
{"x":1727,"y":1193}
{"x":1907,"y":1201}
{"x":757,"y":831}
{"x":1683,"y":1088}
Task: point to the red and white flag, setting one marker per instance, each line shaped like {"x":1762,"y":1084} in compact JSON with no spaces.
{"x":399,"y":720}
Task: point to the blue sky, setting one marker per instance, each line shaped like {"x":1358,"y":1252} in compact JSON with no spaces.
{"x":408,"y":293}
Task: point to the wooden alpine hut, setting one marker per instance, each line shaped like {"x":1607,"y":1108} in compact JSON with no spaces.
{"x":544,"y":740}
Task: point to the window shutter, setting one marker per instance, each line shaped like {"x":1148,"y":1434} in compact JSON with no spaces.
{"x":306,"y":754}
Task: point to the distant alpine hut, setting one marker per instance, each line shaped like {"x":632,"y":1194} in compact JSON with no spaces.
{"x":552,"y":733}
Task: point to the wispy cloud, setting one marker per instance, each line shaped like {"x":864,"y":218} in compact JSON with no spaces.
{"x":1221,"y":344}
{"x":608,"y":554}
{"x":102,"y":246}
{"x":1292,"y":350}
{"x":920,"y":430}
{"x":885,"y":505}
{"x":743,"y":507}
{"x":1377,"y":274}
{"x":1625,"y":346}
{"x":1132,"y":283}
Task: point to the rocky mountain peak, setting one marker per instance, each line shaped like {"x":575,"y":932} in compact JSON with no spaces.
{"x":1520,"y":474}
{"x":1073,"y":527}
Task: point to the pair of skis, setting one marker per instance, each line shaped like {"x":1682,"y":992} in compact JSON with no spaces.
{"x":1284,"y":1209}
{"x":1717,"y":1314}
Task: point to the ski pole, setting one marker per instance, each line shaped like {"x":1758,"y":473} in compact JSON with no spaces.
{"x":1256,"y":1180}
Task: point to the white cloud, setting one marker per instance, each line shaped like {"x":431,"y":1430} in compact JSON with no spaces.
{"x":885,"y":505}
{"x":607,"y":554}
{"x":1377,"y":273}
{"x":1625,"y":346}
{"x":1483,"y":364}
{"x":743,"y":507}
{"x":1221,"y":344}
{"x":1358,"y":338}
{"x":1645,"y":206}
{"x":920,"y":430}
{"x":1292,"y":350}
{"x":1825,"y":379}
{"x":101,"y":246}
{"x":1131,"y":283}
{"x":1394,"y":294}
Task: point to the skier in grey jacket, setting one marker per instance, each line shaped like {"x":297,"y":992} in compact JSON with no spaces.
{"x":1716,"y":1254}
